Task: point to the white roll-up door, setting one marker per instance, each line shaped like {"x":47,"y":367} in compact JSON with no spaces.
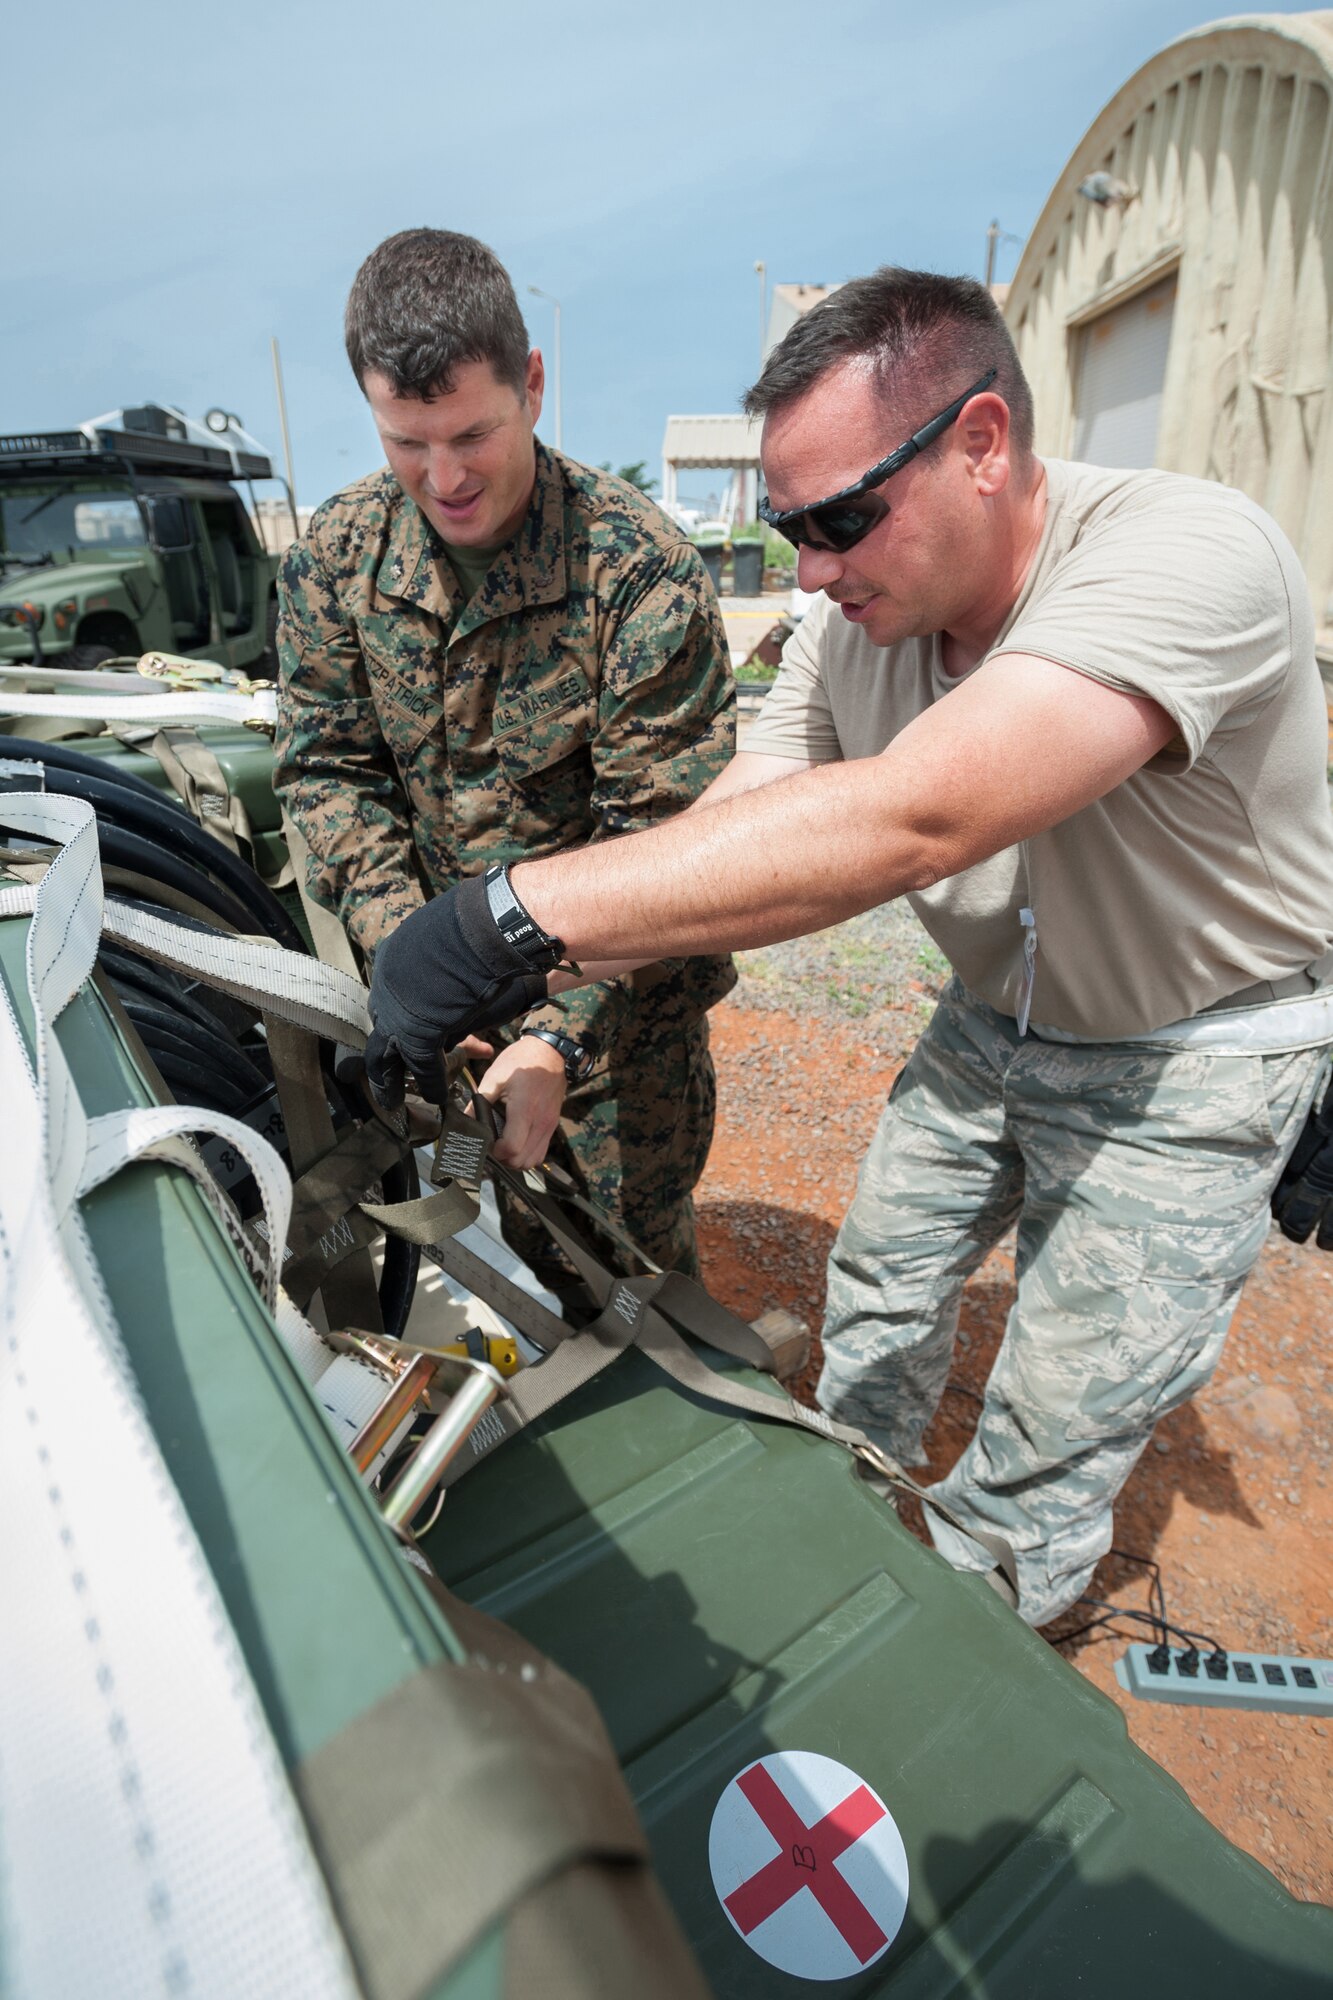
{"x":1121,"y":370}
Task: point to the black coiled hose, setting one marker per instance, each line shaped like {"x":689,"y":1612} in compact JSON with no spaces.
{"x":141,"y":813}
{"x":207,"y":1046}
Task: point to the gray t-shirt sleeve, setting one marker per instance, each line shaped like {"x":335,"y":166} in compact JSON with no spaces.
{"x":796,"y":719}
{"x":1187,"y":603}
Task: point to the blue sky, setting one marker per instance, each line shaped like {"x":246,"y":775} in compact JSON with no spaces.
{"x":182,"y":182}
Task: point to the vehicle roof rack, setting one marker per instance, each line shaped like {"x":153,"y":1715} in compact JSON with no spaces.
{"x":97,"y":449}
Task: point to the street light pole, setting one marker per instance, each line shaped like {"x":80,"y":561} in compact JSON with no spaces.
{"x":286,"y":434}
{"x":538,"y":293}
{"x":762,"y":269}
{"x":995,"y":236}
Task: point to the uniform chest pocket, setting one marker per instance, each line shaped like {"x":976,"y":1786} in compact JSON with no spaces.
{"x":541,"y":730}
{"x":546,"y":764}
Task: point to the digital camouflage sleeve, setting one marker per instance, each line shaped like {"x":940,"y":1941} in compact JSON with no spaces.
{"x":584,"y":690}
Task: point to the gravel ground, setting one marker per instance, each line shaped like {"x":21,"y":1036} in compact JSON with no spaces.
{"x":878,"y":971}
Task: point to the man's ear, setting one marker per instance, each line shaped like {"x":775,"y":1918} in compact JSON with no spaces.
{"x":984,"y":435}
{"x":534,"y":385}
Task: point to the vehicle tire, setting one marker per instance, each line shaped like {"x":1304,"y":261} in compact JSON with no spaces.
{"x":84,"y":659}
{"x":266,"y":666}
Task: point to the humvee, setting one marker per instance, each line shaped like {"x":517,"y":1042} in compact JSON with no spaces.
{"x":130,"y":537}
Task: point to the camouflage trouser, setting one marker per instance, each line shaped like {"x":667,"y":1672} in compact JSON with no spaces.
{"x":1139,"y":1179}
{"x":636,"y":1134}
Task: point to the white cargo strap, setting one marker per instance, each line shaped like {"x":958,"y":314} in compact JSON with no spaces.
{"x":259,"y":708}
{"x":34,"y":679}
{"x":149,"y":1843}
{"x":300,"y":989}
{"x":147,"y":1132}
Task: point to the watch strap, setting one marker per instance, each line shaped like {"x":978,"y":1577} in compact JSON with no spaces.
{"x":577,"y":1057}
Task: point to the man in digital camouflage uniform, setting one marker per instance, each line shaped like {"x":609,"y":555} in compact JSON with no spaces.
{"x":490,"y":652}
{"x":1076,"y":716}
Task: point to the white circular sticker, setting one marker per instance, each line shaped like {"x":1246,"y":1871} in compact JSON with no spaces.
{"x":809,"y":1865}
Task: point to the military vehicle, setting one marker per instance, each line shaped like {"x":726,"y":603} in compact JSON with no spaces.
{"x":127,"y":535}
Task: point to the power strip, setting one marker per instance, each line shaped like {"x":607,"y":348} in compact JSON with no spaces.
{"x":1279,"y":1682}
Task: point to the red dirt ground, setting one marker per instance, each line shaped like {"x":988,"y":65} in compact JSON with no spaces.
{"x":1232,"y":1498}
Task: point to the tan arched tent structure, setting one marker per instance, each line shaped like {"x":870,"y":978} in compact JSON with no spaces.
{"x":1177,"y":313}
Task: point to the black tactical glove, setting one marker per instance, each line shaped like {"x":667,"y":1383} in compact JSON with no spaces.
{"x":470,"y":959}
{"x":1303,"y":1198}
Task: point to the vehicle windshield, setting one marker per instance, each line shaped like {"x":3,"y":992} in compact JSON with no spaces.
{"x":39,"y":521}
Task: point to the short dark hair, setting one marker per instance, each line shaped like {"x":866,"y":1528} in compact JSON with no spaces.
{"x":925,"y":336}
{"x":427,"y":299}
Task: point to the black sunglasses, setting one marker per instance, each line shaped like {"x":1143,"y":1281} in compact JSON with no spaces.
{"x":842,"y":520}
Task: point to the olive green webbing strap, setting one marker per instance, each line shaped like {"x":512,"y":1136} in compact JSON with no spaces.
{"x":192,"y":770}
{"x":634,"y":1313}
{"x":484,"y":1794}
{"x":327,"y":1247}
{"x":331,"y":942}
{"x":534,"y":1320}
{"x":198,"y":779}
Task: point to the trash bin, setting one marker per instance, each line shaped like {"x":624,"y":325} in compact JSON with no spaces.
{"x":712,"y":549}
{"x":747,"y":565}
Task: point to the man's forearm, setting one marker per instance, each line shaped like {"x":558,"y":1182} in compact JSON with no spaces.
{"x":771,"y":863}
{"x":746,"y":772}
{"x":1016,"y":749}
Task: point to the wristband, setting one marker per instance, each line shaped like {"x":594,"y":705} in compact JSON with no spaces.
{"x":520,"y":931}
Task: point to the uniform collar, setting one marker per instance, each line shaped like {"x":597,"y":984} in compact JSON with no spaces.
{"x":530,"y":569}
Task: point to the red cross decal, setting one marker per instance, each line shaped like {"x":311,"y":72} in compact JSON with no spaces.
{"x":806,"y":1862}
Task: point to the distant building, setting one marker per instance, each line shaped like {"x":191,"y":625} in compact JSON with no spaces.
{"x":723,"y":443}
{"x":730,"y":442}
{"x":275,"y":524}
{"x":1172,"y":304}
{"x":788,"y":304}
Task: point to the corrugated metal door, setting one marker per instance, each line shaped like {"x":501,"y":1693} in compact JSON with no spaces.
{"x":1122,"y":367}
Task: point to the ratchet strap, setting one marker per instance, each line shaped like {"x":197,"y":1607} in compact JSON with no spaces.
{"x":478,"y":1796}
{"x":650,"y":1312}
{"x":257,"y":708}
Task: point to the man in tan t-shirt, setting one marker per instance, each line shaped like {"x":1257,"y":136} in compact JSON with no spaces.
{"x":1075,"y":716}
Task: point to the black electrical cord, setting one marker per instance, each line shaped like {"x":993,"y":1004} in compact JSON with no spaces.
{"x":1156,"y":1594}
{"x":149,"y":816}
{"x":1113,"y":1611}
{"x":1155,"y":1616}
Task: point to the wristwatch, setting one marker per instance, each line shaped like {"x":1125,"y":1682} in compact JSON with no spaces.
{"x":578,"y":1057}
{"x":520,"y":931}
